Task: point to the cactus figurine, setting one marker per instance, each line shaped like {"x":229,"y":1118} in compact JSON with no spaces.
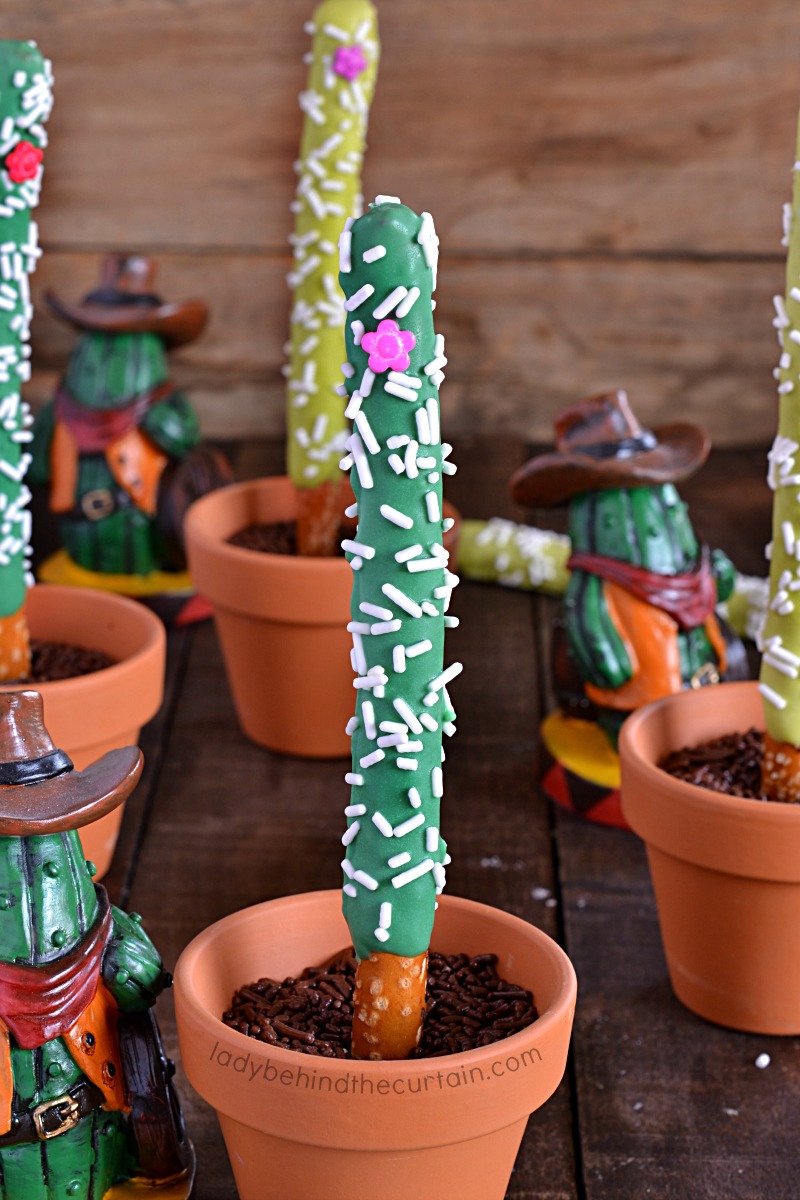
{"x":118,"y":446}
{"x":341,"y":81}
{"x":395,"y":857}
{"x":639,"y":608}
{"x":87,"y":1108}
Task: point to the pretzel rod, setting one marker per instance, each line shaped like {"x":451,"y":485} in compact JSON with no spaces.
{"x":780,"y":665}
{"x":341,"y":81}
{"x":395,"y":859}
{"x":25,"y":104}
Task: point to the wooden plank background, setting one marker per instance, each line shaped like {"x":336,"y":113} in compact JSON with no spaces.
{"x":606,"y":179}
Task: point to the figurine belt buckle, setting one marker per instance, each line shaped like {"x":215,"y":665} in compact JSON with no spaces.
{"x":69,"y":1119}
{"x":704,"y":676}
{"x":97,"y":503}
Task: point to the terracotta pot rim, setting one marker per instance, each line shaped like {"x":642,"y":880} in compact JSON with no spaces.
{"x":551,"y":1017}
{"x":154,"y":638}
{"x":692,"y":793}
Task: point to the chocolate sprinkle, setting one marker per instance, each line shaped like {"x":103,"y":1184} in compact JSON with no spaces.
{"x":730,"y":764}
{"x":51,"y":661}
{"x":277,"y":538}
{"x":468,"y":1005}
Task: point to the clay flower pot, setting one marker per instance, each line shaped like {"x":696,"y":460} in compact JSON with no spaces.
{"x":92,"y":714}
{"x":297,"y":1126}
{"x":726,"y":871}
{"x":281,"y":621}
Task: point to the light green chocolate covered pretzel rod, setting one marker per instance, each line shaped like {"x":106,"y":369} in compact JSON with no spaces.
{"x":25,"y":103}
{"x":341,"y":82}
{"x":780,"y":665}
{"x":395,"y":860}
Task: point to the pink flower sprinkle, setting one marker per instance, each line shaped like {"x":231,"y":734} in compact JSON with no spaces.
{"x":349,"y":61}
{"x":388,"y":347}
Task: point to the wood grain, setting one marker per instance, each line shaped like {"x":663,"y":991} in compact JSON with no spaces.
{"x":524,"y":339}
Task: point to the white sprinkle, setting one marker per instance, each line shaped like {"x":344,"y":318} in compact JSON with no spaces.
{"x":407,"y":826}
{"x":407,"y":764}
{"x":418,"y":648}
{"x":399,"y":860}
{"x":437,"y":782}
{"x":366,"y":880}
{"x":380,"y":822}
{"x":406,"y":603}
{"x":367,"y":380}
{"x":435,"y":365}
{"x":412,"y":873}
{"x":369,"y":760}
{"x":396,"y":463}
{"x":433,"y":419}
{"x":405,"y":381}
{"x":405,"y":305}
{"x":425,"y":564}
{"x":362,"y":462}
{"x":365,"y":429}
{"x":430,"y":699}
{"x":351,"y":510}
{"x":429,"y":722}
{"x":350,"y":833}
{"x":414,"y":798}
{"x":387,"y":200}
{"x":347,"y":867}
{"x":392,"y":300}
{"x":375,"y":610}
{"x":355,"y":810}
{"x":346,"y":463}
{"x":348,"y":371}
{"x":351,"y":726}
{"x":783,"y":667}
{"x":357,"y":329}
{"x":440,"y":878}
{"x":20,"y":79}
{"x":397,"y":441}
{"x":354,"y":405}
{"x":432,"y":503}
{"x":762,"y":1061}
{"x":381,"y":935}
{"x":361,"y":627}
{"x":358,"y":298}
{"x":773,"y":697}
{"x":451,"y":622}
{"x":396,"y":517}
{"x":450,"y":673}
{"x":407,"y":713}
{"x":358,"y":548}
{"x":403,"y":393}
{"x":345,"y":243}
{"x":431,"y":839}
{"x":394,"y":727}
{"x":320,"y":425}
{"x":392,"y":739}
{"x":410,"y":747}
{"x":423,"y":428}
{"x":354,"y":779}
{"x":368,"y":713}
{"x":788,"y":536}
{"x":385,"y":919}
{"x":399,"y":659}
{"x":410,"y":552}
{"x":410,"y":461}
{"x":349,"y":890}
{"x":386,"y":627}
{"x":373,"y":254}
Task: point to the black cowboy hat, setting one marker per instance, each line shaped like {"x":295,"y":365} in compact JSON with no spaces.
{"x":126,"y":303}
{"x":40,"y":790}
{"x":601,"y":445}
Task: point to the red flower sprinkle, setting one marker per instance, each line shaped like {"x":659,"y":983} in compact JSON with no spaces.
{"x":23,"y":162}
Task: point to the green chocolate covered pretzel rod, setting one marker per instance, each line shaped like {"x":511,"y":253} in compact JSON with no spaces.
{"x":780,"y":665}
{"x":395,"y":860}
{"x":25,"y":103}
{"x":341,"y":82}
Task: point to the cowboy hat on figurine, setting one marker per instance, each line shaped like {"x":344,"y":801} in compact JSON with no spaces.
{"x":77,"y":979}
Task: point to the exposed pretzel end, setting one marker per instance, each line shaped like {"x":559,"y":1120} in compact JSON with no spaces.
{"x":388,"y":1004}
{"x":780,"y":771}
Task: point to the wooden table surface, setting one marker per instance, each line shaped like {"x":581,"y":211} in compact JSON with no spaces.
{"x":655,"y":1103}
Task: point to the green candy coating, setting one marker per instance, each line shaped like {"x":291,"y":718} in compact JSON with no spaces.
{"x":329,"y":190}
{"x":383,"y":849}
{"x":780,"y":684}
{"x":25,"y":104}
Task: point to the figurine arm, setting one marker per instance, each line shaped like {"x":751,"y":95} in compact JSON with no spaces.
{"x":132,"y":967}
{"x":43,"y":426}
{"x":724,"y":573}
{"x":172,"y":424}
{"x":601,"y":655}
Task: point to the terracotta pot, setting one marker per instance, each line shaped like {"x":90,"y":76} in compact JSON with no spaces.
{"x":92,"y":714}
{"x":726,"y":871}
{"x":281,"y":621}
{"x":296,"y":1126}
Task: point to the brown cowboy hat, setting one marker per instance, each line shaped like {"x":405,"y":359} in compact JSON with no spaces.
{"x":126,"y":303}
{"x":601,"y":445}
{"x":40,"y":791}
